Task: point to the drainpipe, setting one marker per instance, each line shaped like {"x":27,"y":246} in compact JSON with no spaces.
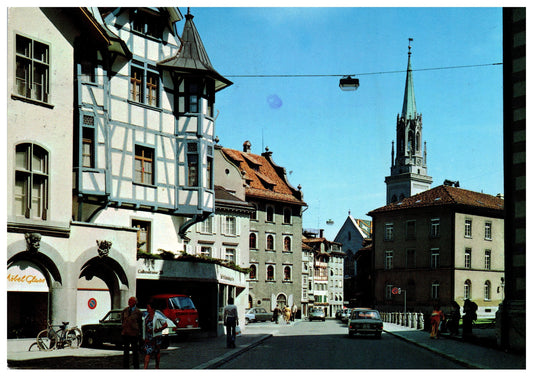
{"x":195,"y":219}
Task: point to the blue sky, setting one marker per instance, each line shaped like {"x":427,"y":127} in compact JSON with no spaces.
{"x":336,"y":144}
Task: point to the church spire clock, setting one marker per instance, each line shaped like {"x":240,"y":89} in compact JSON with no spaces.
{"x":408,"y":166}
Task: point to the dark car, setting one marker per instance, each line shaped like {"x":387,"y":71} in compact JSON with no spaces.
{"x":109,"y":328}
{"x":257,"y":314}
{"x":365,"y":321}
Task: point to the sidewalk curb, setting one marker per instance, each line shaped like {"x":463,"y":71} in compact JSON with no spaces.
{"x":217,"y":362}
{"x":432,"y":349}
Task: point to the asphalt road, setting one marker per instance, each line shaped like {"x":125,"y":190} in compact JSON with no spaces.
{"x":326,"y":345}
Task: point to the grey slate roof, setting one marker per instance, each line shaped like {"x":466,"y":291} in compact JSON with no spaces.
{"x":192,"y":57}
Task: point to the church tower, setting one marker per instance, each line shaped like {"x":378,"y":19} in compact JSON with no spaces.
{"x":408,"y":168}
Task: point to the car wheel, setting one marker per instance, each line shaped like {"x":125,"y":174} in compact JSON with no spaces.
{"x":90,"y":340}
{"x":378,"y":335}
{"x":350,"y":334}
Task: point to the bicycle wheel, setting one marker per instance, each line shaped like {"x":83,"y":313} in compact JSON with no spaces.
{"x":47,"y":340}
{"x":74,"y":337}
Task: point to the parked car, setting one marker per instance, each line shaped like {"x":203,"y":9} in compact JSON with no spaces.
{"x":317,"y":313}
{"x":365,"y":321}
{"x":180,"y":309}
{"x":345,"y":315}
{"x":109,"y":328}
{"x":257,"y":314}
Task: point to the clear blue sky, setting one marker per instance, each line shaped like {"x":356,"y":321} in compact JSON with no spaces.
{"x":335,"y":144}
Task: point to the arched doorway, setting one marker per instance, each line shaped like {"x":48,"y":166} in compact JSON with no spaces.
{"x":29,"y":278}
{"x":98,"y":289}
{"x":281,"y":300}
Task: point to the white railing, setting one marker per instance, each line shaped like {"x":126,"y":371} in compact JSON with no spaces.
{"x":412,"y":320}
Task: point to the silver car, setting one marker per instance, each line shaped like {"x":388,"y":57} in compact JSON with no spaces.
{"x":317,"y":313}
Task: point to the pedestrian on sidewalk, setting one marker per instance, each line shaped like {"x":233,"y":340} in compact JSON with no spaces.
{"x":153,"y":326}
{"x":131,"y":326}
{"x":276,"y":313}
{"x":231,"y":320}
{"x":287,"y":314}
{"x":453,"y":322}
{"x":436,"y":317}
{"x":293,"y":312}
{"x":470,"y":315}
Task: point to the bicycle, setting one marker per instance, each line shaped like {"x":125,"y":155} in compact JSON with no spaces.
{"x":63,"y":337}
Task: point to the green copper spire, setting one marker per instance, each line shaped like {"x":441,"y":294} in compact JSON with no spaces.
{"x":409,"y":103}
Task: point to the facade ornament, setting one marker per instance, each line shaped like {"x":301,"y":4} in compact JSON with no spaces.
{"x":33,"y":242}
{"x":103,"y":247}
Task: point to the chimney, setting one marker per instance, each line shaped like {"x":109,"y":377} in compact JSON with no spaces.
{"x":321,"y":232}
{"x":247,"y":147}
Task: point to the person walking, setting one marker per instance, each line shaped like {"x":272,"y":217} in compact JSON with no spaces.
{"x":231,"y":320}
{"x":293,"y":312}
{"x":287,"y":313}
{"x":470,"y":315}
{"x":453,"y":322}
{"x":153,"y":326}
{"x":436,"y":317}
{"x":275,"y":314}
{"x":131,"y":318}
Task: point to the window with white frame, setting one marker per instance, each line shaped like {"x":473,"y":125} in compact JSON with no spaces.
{"x":206,"y":226}
{"x":31,"y":181}
{"x":270,"y":272}
{"x":270,"y":214}
{"x":32,"y":69}
{"x":230,"y":225}
{"x":389,"y":231}
{"x":287,"y":246}
{"x":468,"y":228}
{"x":435,"y":228}
{"x":253,"y":272}
{"x":435,"y":258}
{"x":146,"y":24}
{"x":193,"y":165}
{"x":435,"y":290}
{"x":388,"y":291}
{"x":270,"y":242}
{"x":488,"y":254}
{"x":287,"y":273}
{"x":206,"y":250}
{"x":287,"y":215}
{"x":467,"y":290}
{"x":253,"y":240}
{"x":468,"y":258}
{"x":487,"y":291}
{"x":488,"y":230}
{"x":230,"y":255}
{"x":388,"y":259}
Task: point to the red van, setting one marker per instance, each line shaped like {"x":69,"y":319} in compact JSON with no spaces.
{"x":179,"y":308}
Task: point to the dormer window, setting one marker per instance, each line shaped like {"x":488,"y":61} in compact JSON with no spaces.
{"x":147,"y":24}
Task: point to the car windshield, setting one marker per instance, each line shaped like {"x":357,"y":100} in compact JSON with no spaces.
{"x":366,"y":314}
{"x":113,"y":316}
{"x":182,"y":303}
{"x":261,"y":310}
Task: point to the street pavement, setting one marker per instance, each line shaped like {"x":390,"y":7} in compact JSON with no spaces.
{"x":203,"y":352}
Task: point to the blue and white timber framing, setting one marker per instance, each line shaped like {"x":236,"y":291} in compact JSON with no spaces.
{"x":128,"y":105}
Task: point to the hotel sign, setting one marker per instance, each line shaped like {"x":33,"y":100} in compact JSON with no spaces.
{"x":24,"y":276}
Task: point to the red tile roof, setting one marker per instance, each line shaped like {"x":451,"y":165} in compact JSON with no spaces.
{"x":445,"y":195}
{"x":263,"y":177}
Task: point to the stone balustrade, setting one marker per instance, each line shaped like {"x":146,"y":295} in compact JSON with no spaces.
{"x":412,"y":320}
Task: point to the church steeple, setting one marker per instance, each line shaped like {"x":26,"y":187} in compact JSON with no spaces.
{"x":408,"y":169}
{"x":409,"y":103}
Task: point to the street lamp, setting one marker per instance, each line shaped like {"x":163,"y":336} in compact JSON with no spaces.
{"x":348,"y":83}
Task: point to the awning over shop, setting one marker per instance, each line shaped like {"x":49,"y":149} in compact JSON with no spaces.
{"x":24,"y":276}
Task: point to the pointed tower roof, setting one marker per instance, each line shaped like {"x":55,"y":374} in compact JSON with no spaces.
{"x":192,"y":57}
{"x":409,"y":103}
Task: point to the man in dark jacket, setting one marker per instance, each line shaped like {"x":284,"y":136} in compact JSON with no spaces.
{"x":131,"y":325}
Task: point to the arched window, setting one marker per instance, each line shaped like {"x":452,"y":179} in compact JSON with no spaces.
{"x":253,"y":240}
{"x":287,"y":273}
{"x":270,"y":273}
{"x":467,"y":290}
{"x":417,"y":142}
{"x":270,"y":242}
{"x":253,"y":272}
{"x":487,"y":291}
{"x":31,"y":181}
{"x":253,"y":215}
{"x":287,"y":244}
